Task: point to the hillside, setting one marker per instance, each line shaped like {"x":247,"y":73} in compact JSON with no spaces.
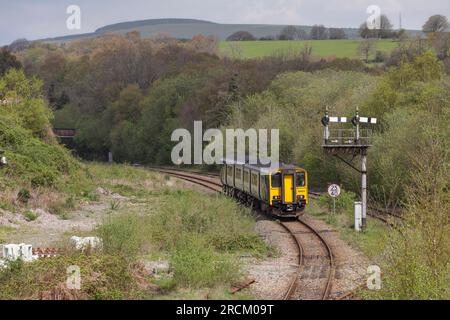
{"x":187,"y":28}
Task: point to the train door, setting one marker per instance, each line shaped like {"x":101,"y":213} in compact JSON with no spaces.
{"x":288,"y":184}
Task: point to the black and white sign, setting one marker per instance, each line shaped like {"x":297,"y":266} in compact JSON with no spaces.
{"x":334,"y":190}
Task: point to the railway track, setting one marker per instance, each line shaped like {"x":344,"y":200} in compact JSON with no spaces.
{"x":314,"y":277}
{"x":314,"y":253}
{"x":207,"y":182}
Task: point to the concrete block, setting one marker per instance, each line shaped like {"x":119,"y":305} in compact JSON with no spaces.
{"x":85,"y":243}
{"x":26,"y":252}
{"x":11,"y":252}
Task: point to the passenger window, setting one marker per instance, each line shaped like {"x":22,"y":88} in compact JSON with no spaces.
{"x":254,"y":179}
{"x":300,"y":179}
{"x":246,"y":177}
{"x":276,"y":180}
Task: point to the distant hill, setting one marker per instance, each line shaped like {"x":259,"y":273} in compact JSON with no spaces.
{"x":187,"y":28}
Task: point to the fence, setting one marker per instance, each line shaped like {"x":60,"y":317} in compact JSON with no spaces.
{"x":348,"y":137}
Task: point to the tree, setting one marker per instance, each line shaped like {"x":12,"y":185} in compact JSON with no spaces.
{"x":440,"y":41}
{"x":205,"y":44}
{"x":318,"y":32}
{"x":241,"y":36}
{"x":436,"y":23}
{"x":19,"y":45}
{"x":367,"y":47}
{"x":291,"y":33}
{"x":337,"y":33}
{"x":8,"y":61}
{"x":437,"y":28}
{"x":384,"y":32}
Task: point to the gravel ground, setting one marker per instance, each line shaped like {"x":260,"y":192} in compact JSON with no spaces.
{"x":351,"y":264}
{"x":273,"y":275}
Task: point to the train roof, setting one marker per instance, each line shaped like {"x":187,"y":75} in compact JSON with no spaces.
{"x":256,"y":164}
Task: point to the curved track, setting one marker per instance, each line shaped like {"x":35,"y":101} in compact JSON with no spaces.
{"x":314,"y":253}
{"x":193,"y":177}
{"x":316,"y":264}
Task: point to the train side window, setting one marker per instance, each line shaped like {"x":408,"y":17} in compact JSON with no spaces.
{"x":300,"y":179}
{"x":254,"y":179}
{"x":230,"y":171}
{"x":276,"y":180}
{"x":238,"y":173}
{"x":246,"y":176}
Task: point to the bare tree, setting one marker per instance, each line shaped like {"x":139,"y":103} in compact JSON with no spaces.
{"x":337,"y":33}
{"x":318,"y":32}
{"x":436,"y":23}
{"x":291,"y":33}
{"x":367,"y":47}
{"x":384,"y":32}
{"x":204,"y":44}
{"x":441,"y":43}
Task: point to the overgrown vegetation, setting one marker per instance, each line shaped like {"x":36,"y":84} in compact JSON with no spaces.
{"x":104,"y":277}
{"x":36,"y":162}
{"x":201,"y":235}
{"x":416,"y":262}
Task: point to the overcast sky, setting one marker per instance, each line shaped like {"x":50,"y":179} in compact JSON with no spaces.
{"x":34,"y":19}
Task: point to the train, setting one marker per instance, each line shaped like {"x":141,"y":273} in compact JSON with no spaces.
{"x":281,"y":192}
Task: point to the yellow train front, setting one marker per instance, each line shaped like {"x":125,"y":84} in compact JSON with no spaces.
{"x":282,"y":192}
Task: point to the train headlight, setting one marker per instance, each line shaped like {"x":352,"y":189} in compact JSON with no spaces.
{"x":276,"y":198}
{"x":302,"y":197}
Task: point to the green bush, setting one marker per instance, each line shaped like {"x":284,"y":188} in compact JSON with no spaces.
{"x":30,"y":216}
{"x":123,"y":234}
{"x":344,"y":203}
{"x":24,"y":196}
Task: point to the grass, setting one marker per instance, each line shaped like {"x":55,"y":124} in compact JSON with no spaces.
{"x":372,"y":242}
{"x":201,"y":236}
{"x":4,"y":231}
{"x":320,"y":48}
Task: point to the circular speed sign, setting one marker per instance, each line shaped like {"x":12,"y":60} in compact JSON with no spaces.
{"x":334,"y":190}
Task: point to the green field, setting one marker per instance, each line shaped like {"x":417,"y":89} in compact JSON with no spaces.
{"x":321,"y":48}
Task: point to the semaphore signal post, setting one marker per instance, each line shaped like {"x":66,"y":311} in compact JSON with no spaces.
{"x":354,"y":142}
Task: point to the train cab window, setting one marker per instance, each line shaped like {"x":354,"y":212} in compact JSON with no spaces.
{"x":276,"y":180}
{"x":300,"y":180}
